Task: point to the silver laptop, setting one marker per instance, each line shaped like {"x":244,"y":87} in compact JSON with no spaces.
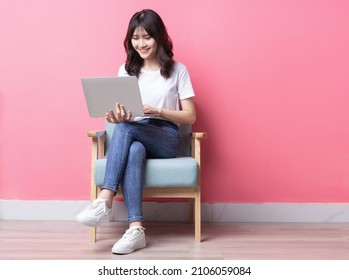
{"x":101,"y":94}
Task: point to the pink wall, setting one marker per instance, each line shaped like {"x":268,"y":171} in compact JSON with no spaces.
{"x":272,"y":92}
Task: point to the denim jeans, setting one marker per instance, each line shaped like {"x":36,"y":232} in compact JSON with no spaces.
{"x":131,"y":144}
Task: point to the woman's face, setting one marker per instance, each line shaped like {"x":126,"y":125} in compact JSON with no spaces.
{"x":145,"y":45}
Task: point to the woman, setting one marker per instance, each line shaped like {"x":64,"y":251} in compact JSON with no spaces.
{"x":167,"y":91}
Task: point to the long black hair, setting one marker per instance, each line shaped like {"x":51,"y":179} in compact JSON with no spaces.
{"x":155,"y":27}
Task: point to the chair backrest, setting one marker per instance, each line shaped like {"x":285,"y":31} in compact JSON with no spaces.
{"x":184,"y":133}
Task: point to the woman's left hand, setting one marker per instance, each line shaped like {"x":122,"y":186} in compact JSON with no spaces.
{"x":148,"y":110}
{"x":187,"y":115}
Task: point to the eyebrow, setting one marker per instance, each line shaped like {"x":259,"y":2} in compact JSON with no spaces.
{"x":140,"y":35}
{"x":144,"y":34}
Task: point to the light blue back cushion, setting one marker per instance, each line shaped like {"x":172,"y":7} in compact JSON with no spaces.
{"x":181,"y":171}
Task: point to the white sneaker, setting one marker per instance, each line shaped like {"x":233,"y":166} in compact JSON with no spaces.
{"x":133,"y":239}
{"x":96,"y":214}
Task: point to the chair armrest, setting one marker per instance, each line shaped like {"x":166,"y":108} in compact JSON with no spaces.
{"x":96,"y":134}
{"x":98,"y":143}
{"x":199,"y":135}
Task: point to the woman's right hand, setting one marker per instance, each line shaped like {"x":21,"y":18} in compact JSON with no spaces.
{"x":121,"y":115}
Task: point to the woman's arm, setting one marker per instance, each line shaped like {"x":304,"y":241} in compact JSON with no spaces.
{"x":186,"y":116}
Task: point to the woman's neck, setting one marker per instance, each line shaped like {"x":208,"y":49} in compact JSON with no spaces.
{"x":151,"y":65}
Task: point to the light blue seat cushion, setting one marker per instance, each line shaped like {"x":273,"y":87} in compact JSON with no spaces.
{"x":180,"y":171}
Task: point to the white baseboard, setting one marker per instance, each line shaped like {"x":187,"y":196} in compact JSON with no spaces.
{"x":178,"y":211}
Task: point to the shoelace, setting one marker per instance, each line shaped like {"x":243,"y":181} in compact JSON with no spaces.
{"x":133,"y":232}
{"x":96,"y":208}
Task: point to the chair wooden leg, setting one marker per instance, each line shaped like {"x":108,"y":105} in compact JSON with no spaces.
{"x":191,"y":211}
{"x":93,"y":230}
{"x":93,"y":234}
{"x":197,"y":218}
{"x":94,"y":194}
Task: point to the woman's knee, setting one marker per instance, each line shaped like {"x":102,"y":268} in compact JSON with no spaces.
{"x":137,"y":149}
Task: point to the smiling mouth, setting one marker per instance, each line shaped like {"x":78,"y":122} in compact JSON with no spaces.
{"x":143,"y":50}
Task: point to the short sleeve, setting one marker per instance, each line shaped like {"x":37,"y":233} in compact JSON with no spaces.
{"x":185,"y":87}
{"x":122,"y":71}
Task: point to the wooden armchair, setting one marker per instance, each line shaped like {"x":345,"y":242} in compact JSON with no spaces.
{"x":164,"y":178}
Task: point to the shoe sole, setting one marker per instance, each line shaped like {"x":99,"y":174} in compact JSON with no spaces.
{"x":128,"y":252}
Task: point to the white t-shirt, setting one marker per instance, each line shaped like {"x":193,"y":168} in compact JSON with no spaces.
{"x":159,"y":92}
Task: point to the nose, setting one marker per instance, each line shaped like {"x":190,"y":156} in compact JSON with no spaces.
{"x":142,"y":42}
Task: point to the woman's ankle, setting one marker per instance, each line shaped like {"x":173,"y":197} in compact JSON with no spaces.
{"x":135,"y":224}
{"x":108,"y":196}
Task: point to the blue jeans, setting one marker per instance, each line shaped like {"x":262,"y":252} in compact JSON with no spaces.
{"x":131,"y":144}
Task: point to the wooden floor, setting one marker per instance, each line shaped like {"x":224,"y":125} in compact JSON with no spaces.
{"x":59,"y":240}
